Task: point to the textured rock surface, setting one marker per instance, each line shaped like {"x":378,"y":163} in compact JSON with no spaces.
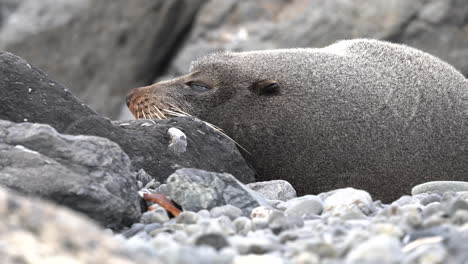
{"x":274,"y":190}
{"x":438,"y":26}
{"x":195,"y":190}
{"x":33,"y":231}
{"x":89,"y":174}
{"x":99,"y":49}
{"x":145,"y":142}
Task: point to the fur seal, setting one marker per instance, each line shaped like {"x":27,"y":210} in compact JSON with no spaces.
{"x":363,"y":113}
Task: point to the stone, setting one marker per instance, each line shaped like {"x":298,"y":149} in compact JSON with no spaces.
{"x":89,"y":174}
{"x":228,"y":210}
{"x":188,"y":218}
{"x":133,"y":230}
{"x":214,"y":240}
{"x":146,"y":142}
{"x":380,"y":249}
{"x":195,"y":190}
{"x":304,"y":207}
{"x":440,"y":187}
{"x":159,"y":216}
{"x":242,"y":225}
{"x":274,"y":190}
{"x":35,"y":231}
{"x":257,"y":259}
{"x":348,"y":201}
{"x":90,"y":34}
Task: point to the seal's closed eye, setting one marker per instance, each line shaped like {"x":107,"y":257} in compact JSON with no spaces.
{"x":198,"y":87}
{"x":265,"y":87}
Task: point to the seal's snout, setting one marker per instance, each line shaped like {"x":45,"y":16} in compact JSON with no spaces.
{"x":128,"y":98}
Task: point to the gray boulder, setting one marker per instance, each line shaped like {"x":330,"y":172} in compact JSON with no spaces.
{"x":437,"y":27}
{"x":89,"y":174}
{"x":99,"y":49}
{"x":34,"y":231}
{"x":151,"y":145}
{"x":195,"y":190}
{"x":274,"y":190}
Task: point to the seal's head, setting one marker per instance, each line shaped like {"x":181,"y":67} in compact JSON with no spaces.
{"x":206,"y":90}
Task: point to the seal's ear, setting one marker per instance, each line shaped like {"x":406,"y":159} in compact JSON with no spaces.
{"x":265,"y":87}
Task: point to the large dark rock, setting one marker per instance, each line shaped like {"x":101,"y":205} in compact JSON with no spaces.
{"x":99,"y":49}
{"x":33,"y":231}
{"x":27,"y":94}
{"x":89,"y":174}
{"x":438,"y":27}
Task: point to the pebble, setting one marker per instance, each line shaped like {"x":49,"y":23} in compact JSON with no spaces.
{"x":274,"y":190}
{"x":349,"y":202}
{"x":228,"y":210}
{"x":380,"y":249}
{"x":214,"y":240}
{"x":157,"y":216}
{"x":440,"y":187}
{"x":305,"y":207}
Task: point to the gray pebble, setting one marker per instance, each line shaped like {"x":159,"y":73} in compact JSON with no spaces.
{"x":157,"y":216}
{"x":163,"y":189}
{"x":151,"y":227}
{"x":304,"y":207}
{"x":349,"y":201}
{"x":242,"y":225}
{"x":228,"y":210}
{"x":274,"y":190}
{"x":430,"y":198}
{"x":137,"y":227}
{"x":204,"y":213}
{"x":380,"y":249}
{"x":440,"y":187}
{"x":188,"y":218}
{"x":214,"y":240}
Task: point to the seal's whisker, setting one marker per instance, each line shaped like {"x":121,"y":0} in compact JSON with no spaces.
{"x":157,"y":110}
{"x":155,"y":114}
{"x":144,"y":116}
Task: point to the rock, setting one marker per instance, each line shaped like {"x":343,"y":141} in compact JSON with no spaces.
{"x":242,"y":225}
{"x":136,"y":227}
{"x":214,"y":240}
{"x":120,"y":40}
{"x":254,"y":243}
{"x":348,"y":201}
{"x":431,"y":26}
{"x":304,"y":207}
{"x":188,"y":218}
{"x":157,"y":216}
{"x":89,"y":174}
{"x":440,"y":187}
{"x":257,"y":259}
{"x":380,"y":249}
{"x":34,"y":231}
{"x":145,"y":142}
{"x":274,"y":190}
{"x":195,"y":190}
{"x":228,"y":210}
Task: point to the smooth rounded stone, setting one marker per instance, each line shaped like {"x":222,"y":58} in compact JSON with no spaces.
{"x":387,"y":229}
{"x":254,"y":243}
{"x":440,"y":187}
{"x":278,"y":221}
{"x":259,"y":216}
{"x":380,"y":249}
{"x":151,"y":227}
{"x":157,"y":216}
{"x":432,"y":208}
{"x":349,"y":202}
{"x":456,"y":205}
{"x":242,"y":225}
{"x":412,"y":218}
{"x":228,"y":210}
{"x":434,"y":220}
{"x":221,"y":224}
{"x":188,"y":218}
{"x":258,"y":259}
{"x":306,"y":258}
{"x":133,"y":230}
{"x":274,"y":190}
{"x":430,"y":198}
{"x":434,"y":253}
{"x":214,"y":240}
{"x":163,"y":189}
{"x":304,"y":207}
{"x":204,"y":213}
{"x":460,"y":217}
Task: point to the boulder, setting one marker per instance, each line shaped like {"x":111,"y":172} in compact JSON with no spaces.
{"x":89,"y":174}
{"x":150,"y":144}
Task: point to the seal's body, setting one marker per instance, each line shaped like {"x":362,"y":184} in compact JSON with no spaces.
{"x":363,"y":113}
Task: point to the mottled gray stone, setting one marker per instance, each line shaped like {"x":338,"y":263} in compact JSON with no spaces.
{"x":188,"y":218}
{"x":440,"y":187}
{"x":242,"y":225}
{"x":89,"y":174}
{"x":350,"y":202}
{"x":214,"y":240}
{"x":157,"y":216}
{"x":304,"y":207}
{"x":274,"y":190}
{"x":195,"y":190}
{"x":380,"y":249}
{"x":228,"y":210}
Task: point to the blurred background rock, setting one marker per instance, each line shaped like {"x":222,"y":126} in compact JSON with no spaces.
{"x":101,"y":49}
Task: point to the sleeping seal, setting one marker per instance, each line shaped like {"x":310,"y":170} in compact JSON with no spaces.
{"x":362,"y":113}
